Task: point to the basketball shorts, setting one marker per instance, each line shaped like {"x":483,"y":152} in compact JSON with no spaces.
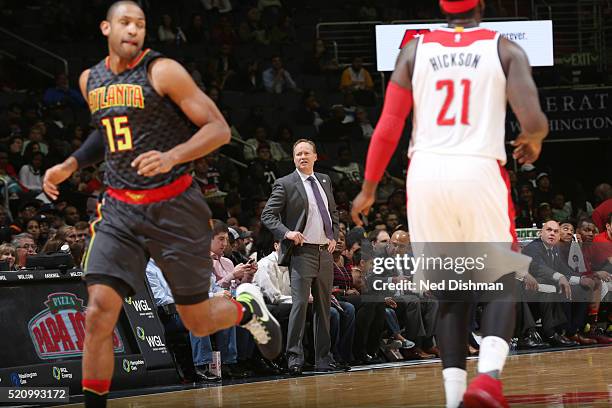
{"x":175,"y":232}
{"x":462,"y":204}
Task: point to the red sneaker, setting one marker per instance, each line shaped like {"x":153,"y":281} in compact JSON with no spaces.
{"x":484,"y":392}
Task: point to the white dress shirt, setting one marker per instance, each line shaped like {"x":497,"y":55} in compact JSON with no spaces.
{"x":314,"y":231}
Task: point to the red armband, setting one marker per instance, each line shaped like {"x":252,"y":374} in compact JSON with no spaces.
{"x":397,"y":107}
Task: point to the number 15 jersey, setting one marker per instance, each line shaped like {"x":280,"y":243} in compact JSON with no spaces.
{"x":459,"y":90}
{"x":134,"y":119}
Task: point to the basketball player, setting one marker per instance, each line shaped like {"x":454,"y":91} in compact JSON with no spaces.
{"x":458,"y":80}
{"x":145,"y":107}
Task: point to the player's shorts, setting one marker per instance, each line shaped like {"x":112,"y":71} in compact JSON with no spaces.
{"x":175,"y":232}
{"x":460,"y":207}
{"x":458,"y":199}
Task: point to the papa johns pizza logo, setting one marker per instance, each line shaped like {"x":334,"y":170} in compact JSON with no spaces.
{"x":59,"y":329}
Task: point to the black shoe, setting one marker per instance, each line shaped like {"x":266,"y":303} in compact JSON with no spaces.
{"x":263,"y":326}
{"x":202,"y":374}
{"x":557,"y":340}
{"x":341,"y":365}
{"x":295,"y":370}
{"x":234,"y":371}
{"x":532,"y":341}
{"x":331,"y":368}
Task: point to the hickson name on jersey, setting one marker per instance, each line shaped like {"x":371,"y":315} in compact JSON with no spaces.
{"x":134,"y":119}
{"x":459,"y":90}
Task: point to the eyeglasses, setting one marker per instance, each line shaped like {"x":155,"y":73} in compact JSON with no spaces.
{"x":28,"y":246}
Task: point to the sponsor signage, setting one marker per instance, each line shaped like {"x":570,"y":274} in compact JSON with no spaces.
{"x":59,"y":329}
{"x":535,"y":37}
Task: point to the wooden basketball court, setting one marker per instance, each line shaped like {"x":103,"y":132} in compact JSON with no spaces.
{"x":574,"y":378}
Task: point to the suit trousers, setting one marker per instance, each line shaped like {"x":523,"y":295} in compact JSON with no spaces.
{"x":311,"y":269}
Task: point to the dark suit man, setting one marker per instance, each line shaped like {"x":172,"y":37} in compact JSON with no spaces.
{"x":301,"y":213}
{"x":549,"y":268}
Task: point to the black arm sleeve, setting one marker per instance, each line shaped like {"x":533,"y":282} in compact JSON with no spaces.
{"x":91,"y":151}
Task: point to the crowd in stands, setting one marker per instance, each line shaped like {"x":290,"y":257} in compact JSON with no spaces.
{"x":270,"y":99}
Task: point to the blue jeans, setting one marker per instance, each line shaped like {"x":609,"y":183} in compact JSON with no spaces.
{"x":392,"y":321}
{"x":201,"y":347}
{"x":342,"y":330}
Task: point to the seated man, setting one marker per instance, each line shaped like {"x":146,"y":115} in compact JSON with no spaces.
{"x":549,"y":269}
{"x":416,"y":313}
{"x":201,"y":347}
{"x":224,"y":269}
{"x":598,"y":267}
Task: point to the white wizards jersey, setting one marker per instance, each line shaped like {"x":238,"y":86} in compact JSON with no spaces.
{"x":459,"y":90}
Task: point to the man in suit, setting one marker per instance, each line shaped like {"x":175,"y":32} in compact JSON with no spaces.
{"x":549,"y":268}
{"x":301,"y":213}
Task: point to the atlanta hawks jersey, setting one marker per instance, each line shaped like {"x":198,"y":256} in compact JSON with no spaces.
{"x":459,"y":90}
{"x":134,"y":119}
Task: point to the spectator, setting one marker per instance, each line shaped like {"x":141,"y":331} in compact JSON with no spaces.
{"x":526,"y":208}
{"x":544,"y":213}
{"x":578,"y":207}
{"x":249,"y":80}
{"x":337,"y":128}
{"x":197,"y":33}
{"x":224,"y":269}
{"x":250,"y":31}
{"x":71,"y":215}
{"x":558,"y":211}
{"x":282,"y":32}
{"x":237,"y":249}
{"x":361,"y":118}
{"x":33,"y":228}
{"x":31,"y":173}
{"x":311,"y":112}
{"x":24,"y":246}
{"x":62,"y":93}
{"x":36,"y":135}
{"x":543,"y":193}
{"x":277,"y":79}
{"x":6,"y":166}
{"x":263,"y":169}
{"x":67,"y":234}
{"x":224,"y":66}
{"x":357,"y":79}
{"x":378,"y":237}
{"x":8,"y":254}
{"x":15,"y":149}
{"x":261,"y":136}
{"x":223,"y":32}
{"x":347,"y":168}
{"x":26,"y":212}
{"x":321,"y":60}
{"x":284,"y":137}
{"x":528,"y":174}
{"x":83,"y":232}
{"x":392,"y":221}
{"x":166,"y":32}
{"x":603,"y":192}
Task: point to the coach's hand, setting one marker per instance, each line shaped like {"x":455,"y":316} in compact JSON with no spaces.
{"x":56,"y":175}
{"x":152,"y":163}
{"x":565,"y":287}
{"x":526,"y":149}
{"x":363,"y":202}
{"x":296,"y":236}
{"x":530,"y":283}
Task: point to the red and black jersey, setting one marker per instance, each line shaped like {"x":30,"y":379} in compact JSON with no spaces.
{"x":134,"y":119}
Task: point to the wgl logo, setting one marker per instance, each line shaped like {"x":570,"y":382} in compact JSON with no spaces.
{"x":153,"y":341}
{"x":141,"y":305}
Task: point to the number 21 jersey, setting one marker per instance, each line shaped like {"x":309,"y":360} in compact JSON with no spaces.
{"x":459,"y":90}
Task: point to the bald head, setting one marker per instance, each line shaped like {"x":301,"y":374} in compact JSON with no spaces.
{"x":550,"y":232}
{"x":116,"y":5}
{"x":400,"y":237}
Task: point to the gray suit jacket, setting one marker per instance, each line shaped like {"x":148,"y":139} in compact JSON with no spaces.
{"x":287,"y":210}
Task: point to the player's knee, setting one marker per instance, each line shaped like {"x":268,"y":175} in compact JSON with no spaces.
{"x":100,"y":319}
